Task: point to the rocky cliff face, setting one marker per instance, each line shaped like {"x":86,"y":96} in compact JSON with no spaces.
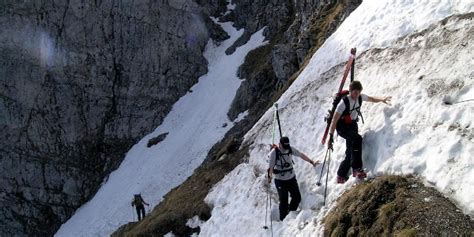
{"x":80,"y":83}
{"x":296,"y":29}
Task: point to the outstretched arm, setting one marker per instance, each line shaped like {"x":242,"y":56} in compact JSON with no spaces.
{"x":386,"y":99}
{"x":306,"y":158}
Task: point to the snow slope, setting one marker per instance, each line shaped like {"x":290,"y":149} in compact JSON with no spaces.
{"x":194,"y":125}
{"x":419,"y":134}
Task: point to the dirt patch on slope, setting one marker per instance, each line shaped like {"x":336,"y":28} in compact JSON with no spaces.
{"x":396,"y":206}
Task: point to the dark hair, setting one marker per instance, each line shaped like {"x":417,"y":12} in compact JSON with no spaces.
{"x":285,"y":142}
{"x":355,"y":85}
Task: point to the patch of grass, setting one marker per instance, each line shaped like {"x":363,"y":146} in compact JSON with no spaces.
{"x":338,"y":231}
{"x":256,"y":61}
{"x":406,"y":233}
{"x":391,"y":205}
{"x":321,"y":27}
{"x":387,"y":214}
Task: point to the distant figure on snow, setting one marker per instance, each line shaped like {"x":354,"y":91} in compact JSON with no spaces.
{"x":138,"y":203}
{"x":281,"y":164}
{"x":345,"y":121}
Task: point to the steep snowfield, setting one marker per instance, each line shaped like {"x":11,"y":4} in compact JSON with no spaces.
{"x":194,"y":125}
{"x":419,"y":134}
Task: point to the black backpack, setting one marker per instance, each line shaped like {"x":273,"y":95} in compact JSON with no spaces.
{"x":137,"y":200}
{"x":278,"y":154}
{"x":345,"y":116}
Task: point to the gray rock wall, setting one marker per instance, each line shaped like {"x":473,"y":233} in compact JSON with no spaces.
{"x":80,"y":82}
{"x":295,"y":29}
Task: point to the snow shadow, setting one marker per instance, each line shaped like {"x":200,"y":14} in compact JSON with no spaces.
{"x":380,"y":145}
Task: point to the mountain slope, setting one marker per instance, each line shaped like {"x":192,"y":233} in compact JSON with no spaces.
{"x":153,"y":171}
{"x":418,"y":134}
{"x":81,"y":82}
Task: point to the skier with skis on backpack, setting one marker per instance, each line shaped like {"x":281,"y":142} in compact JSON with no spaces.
{"x":281,"y":164}
{"x":138,"y":203}
{"x":345,"y":122}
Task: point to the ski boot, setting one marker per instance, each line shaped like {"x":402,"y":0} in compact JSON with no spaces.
{"x":341,"y":180}
{"x":359,"y":173}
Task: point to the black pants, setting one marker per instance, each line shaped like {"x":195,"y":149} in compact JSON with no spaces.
{"x":140,"y":212}
{"x":284,"y":187}
{"x":353,"y":147}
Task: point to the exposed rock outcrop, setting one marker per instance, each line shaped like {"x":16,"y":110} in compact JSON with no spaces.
{"x":295,"y":30}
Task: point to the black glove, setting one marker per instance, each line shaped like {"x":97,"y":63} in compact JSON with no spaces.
{"x":331,"y":141}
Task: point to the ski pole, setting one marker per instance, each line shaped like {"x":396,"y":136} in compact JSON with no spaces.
{"x":274,"y":124}
{"x":452,"y":103}
{"x":322,"y":168}
{"x":278,"y":119}
{"x":271,"y":221}
{"x":273,"y":142}
{"x":268,"y":175}
{"x":327,"y":176}
{"x":266,"y":211}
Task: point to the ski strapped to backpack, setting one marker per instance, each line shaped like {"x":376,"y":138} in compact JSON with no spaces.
{"x":285,"y":166}
{"x":349,"y":67}
{"x":278,"y":119}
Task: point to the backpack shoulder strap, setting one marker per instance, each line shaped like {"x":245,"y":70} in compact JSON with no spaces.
{"x":358,"y":110}
{"x":347,"y":104}
{"x":277,"y":153}
{"x":277,"y":156}
{"x":290,"y":152}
